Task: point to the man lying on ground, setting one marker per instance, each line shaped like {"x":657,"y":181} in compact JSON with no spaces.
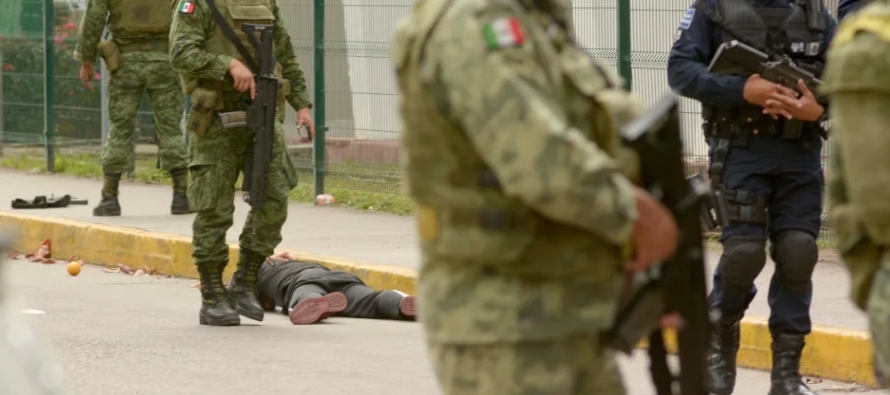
{"x":309,"y":293}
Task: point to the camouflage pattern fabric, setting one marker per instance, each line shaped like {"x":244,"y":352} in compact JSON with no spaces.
{"x":139,"y":73}
{"x":217,"y":160}
{"x":217,"y":156}
{"x":510,"y":150}
{"x":856,"y":76}
{"x":576,"y":365}
{"x":98,"y":11}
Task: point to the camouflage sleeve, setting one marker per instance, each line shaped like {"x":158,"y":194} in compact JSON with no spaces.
{"x":837,"y":188}
{"x":492,"y":81}
{"x":187,"y":36}
{"x":284,"y":52}
{"x":92,"y":24}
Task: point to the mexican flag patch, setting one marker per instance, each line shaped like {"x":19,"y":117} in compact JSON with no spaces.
{"x":504,"y":32}
{"x":187,"y":7}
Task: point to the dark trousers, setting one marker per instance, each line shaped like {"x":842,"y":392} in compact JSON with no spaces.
{"x":789,"y":174}
{"x":362,"y":302}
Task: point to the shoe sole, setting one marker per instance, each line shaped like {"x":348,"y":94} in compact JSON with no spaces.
{"x":225,"y":321}
{"x":313,"y":310}
{"x":408,"y":306}
{"x":180,"y":212}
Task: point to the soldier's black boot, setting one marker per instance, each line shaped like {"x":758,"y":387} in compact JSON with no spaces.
{"x":785,"y":376}
{"x":242,"y":289}
{"x":180,"y":203}
{"x":109,"y":206}
{"x":722,"y":355}
{"x":215,"y":307}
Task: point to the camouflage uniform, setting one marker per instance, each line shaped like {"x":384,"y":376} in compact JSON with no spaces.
{"x":201,"y":53}
{"x":510,"y":144}
{"x":137,"y":60}
{"x":856,"y":77}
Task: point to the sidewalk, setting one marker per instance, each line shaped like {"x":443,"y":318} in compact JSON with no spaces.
{"x":379,"y":248}
{"x":357,"y":235}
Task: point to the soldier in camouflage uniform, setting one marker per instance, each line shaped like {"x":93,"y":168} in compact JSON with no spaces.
{"x":136,"y":59}
{"x":857,"y":76}
{"x":218,"y":81}
{"x":511,"y":147}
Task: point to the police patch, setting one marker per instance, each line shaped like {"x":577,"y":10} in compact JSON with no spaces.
{"x":687,"y":19}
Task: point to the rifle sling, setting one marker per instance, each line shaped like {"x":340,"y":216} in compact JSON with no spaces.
{"x":230,"y":34}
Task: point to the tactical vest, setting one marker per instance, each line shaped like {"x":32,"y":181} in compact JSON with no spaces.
{"x":236,"y":13}
{"x":463,"y":214}
{"x":136,"y":19}
{"x":784,"y":31}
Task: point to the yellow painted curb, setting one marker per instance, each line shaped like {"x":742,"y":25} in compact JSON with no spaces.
{"x":837,"y":354}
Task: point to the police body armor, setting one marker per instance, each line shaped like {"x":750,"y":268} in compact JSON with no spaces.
{"x":784,"y":32}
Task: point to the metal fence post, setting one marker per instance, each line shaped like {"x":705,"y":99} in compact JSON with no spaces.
{"x":624,"y":43}
{"x":318,"y":146}
{"x":49,"y":52}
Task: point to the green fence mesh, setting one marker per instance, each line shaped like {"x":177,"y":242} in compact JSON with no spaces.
{"x":359,"y":113}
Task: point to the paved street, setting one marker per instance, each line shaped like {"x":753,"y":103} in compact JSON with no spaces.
{"x":115,"y":334}
{"x":364,"y":236}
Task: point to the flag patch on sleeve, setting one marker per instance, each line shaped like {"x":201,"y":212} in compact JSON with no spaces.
{"x":503,"y":33}
{"x":187,"y":7}
{"x":687,"y":19}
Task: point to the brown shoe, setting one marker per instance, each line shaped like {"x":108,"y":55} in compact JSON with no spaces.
{"x":312,"y":310}
{"x":408,"y":307}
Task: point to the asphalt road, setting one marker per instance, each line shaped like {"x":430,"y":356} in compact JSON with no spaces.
{"x":370,"y":237}
{"x":115,"y":334}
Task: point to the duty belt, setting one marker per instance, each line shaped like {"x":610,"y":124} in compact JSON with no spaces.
{"x":160,"y":45}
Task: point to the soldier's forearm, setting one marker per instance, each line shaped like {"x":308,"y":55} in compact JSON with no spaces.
{"x":199,"y":63}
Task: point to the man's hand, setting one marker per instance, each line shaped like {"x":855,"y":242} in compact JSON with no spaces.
{"x":304,"y":118}
{"x":806,"y":108}
{"x":243,"y":77}
{"x":86,"y":75}
{"x":655,"y":234}
{"x":758,"y":91}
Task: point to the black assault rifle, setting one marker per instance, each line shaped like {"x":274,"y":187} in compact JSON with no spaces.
{"x":678,"y":284}
{"x":261,"y":115}
{"x":738,"y":58}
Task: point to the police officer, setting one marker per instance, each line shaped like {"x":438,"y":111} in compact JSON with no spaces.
{"x":771,"y":178}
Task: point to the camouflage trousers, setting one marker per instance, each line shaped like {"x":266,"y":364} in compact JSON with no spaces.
{"x":576,"y":365}
{"x":878,"y":308}
{"x":217,"y":159}
{"x":125,"y":88}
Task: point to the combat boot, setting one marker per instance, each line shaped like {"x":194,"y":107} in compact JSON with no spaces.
{"x":242,"y":290}
{"x":180,"y":203}
{"x":722,"y":355}
{"x":785,"y":376}
{"x":109,"y":206}
{"x":215,"y":307}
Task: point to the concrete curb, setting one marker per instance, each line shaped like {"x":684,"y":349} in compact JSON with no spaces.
{"x":832,"y":353}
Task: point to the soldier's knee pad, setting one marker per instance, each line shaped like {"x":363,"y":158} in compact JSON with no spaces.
{"x":795,"y":253}
{"x":743,"y":260}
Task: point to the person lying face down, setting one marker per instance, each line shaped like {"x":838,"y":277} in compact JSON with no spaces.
{"x":310,"y":293}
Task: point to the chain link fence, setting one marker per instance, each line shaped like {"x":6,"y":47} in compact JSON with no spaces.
{"x":343,"y":47}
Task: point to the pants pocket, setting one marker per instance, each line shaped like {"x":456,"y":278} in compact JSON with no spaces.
{"x":203,"y":189}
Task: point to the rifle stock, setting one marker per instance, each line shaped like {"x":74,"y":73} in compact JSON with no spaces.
{"x":261,"y":115}
{"x":677,"y":285}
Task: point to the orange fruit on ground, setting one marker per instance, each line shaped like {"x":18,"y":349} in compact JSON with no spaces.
{"x":74,"y":268}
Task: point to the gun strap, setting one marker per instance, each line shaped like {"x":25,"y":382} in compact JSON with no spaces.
{"x":230,"y":34}
{"x":711,"y":13}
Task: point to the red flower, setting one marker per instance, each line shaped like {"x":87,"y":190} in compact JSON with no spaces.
{"x":7,"y":67}
{"x":57,"y":39}
{"x":97,"y":76}
{"x":70,"y":93}
{"x":70,"y":26}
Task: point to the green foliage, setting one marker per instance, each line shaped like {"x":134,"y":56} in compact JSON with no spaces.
{"x":77,"y":110}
